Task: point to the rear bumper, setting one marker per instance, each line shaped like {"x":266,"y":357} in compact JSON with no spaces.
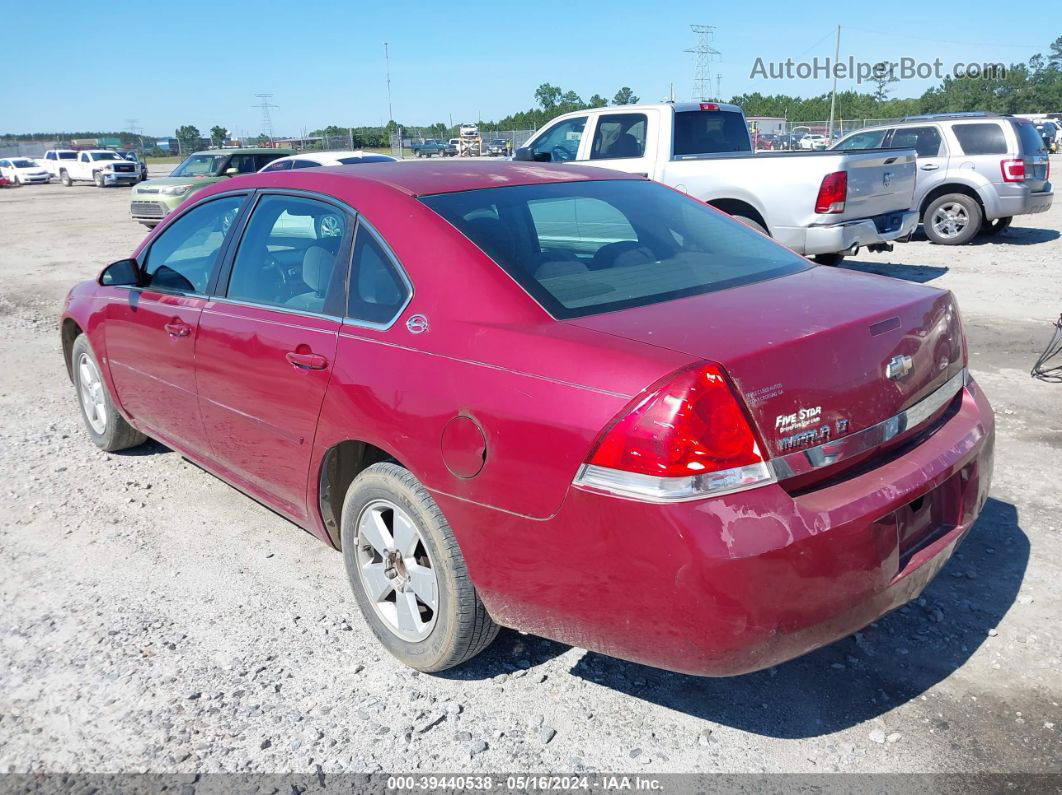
{"x":833,"y":238}
{"x":737,"y":583}
{"x":1025,"y":202}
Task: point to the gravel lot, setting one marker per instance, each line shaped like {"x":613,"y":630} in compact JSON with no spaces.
{"x":154,"y":619}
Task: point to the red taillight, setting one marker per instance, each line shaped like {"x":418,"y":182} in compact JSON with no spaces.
{"x":1013,"y":170}
{"x":833,"y":192}
{"x":692,"y":425}
{"x":709,"y":106}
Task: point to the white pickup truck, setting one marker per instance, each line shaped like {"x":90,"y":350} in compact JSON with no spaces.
{"x":100,"y":166}
{"x":821,"y":204}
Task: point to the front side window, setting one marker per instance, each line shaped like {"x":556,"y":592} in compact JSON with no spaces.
{"x":581,"y":248}
{"x":184,"y":256}
{"x":871,"y":139}
{"x":198,"y":166}
{"x":925,"y":141}
{"x":619,"y":135}
{"x":377,"y":293}
{"x":289,"y":253}
{"x":561,"y":141}
{"x":981,"y":139}
{"x":50,"y":156}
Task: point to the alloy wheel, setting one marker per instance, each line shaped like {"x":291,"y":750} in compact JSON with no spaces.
{"x":950,"y":219}
{"x":90,"y":388}
{"x":396,"y":571}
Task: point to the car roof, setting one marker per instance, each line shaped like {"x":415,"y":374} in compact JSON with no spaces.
{"x":329,"y":156}
{"x":416,"y":179}
{"x":246,"y":150}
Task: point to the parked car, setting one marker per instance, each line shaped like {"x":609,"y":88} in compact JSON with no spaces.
{"x":469,"y":130}
{"x":315,"y":159}
{"x":976,"y":171}
{"x":752,"y":455}
{"x":134,"y":157}
{"x":102,"y":167}
{"x":153,"y":200}
{"x":498,"y":147}
{"x":23,"y":171}
{"x":813,"y":141}
{"x":811,"y":202}
{"x":433,"y":146}
{"x":55,"y":159}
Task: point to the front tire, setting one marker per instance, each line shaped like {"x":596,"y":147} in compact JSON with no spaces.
{"x":106,"y":427}
{"x":98,"y":179}
{"x":64,"y":177}
{"x":952,"y":220}
{"x":408,"y":574}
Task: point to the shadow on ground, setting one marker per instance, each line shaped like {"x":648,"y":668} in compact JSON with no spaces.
{"x":893,"y":661}
{"x":897,"y":270}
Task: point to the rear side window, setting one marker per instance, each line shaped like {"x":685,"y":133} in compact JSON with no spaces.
{"x":183,"y":257}
{"x":706,"y":132}
{"x":279,"y":165}
{"x":619,"y":135}
{"x":924,"y":140}
{"x":981,"y":139}
{"x":67,"y":156}
{"x":580,"y":248}
{"x":304,"y":164}
{"x":1032,"y":143}
{"x":377,"y":292}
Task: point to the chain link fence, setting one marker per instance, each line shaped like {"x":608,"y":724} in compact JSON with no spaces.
{"x":786,"y":136}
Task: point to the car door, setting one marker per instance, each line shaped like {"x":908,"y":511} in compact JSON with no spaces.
{"x":149,"y":331}
{"x":619,"y":140}
{"x":932,"y":151}
{"x":267,"y":342}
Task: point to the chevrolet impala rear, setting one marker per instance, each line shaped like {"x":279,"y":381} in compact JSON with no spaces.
{"x":565,"y":400}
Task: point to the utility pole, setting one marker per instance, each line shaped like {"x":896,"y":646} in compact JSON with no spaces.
{"x":387,"y":64}
{"x":718,"y":88}
{"x":833,"y":99}
{"x":704,"y":52}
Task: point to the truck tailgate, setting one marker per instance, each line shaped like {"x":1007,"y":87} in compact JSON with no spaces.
{"x":879,"y":181}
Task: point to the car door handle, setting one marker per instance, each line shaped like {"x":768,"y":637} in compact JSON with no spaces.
{"x":177,"y":328}
{"x":929,"y":167}
{"x":306,"y":361}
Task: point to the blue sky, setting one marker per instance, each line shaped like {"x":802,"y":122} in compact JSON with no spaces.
{"x":324,"y":63}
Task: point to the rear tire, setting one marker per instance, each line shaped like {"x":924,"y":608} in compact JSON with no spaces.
{"x":425,"y":561}
{"x":751,"y":222}
{"x":829,"y":259}
{"x":106,"y":427}
{"x":952,"y":220}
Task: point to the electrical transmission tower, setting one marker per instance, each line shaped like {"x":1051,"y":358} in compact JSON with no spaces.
{"x":703,"y":54}
{"x":267,"y":119}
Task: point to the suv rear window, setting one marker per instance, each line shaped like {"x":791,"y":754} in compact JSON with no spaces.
{"x":981,"y":139}
{"x":707,"y":132}
{"x":581,"y":248}
{"x":1031,"y":141}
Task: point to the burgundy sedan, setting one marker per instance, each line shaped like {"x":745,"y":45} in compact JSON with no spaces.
{"x":565,"y":400}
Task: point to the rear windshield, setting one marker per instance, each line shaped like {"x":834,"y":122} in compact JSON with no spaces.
{"x":707,"y":132}
{"x":347,"y":161}
{"x":981,"y":139}
{"x":1032,"y":143}
{"x":581,"y":248}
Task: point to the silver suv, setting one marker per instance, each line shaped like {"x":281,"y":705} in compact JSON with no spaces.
{"x":976,"y":171}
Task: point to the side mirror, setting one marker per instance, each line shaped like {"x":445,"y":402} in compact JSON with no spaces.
{"x":523,"y":153}
{"x":231,"y":172}
{"x":123,"y":273}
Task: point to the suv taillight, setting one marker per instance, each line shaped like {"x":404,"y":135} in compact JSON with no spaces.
{"x":686,"y":439}
{"x":833,"y":192}
{"x":1013,"y":170}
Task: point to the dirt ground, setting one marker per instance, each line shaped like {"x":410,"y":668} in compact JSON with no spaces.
{"x":154,"y":619}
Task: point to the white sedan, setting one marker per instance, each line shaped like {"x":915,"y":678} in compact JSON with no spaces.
{"x":23,"y":171}
{"x":315,"y":159}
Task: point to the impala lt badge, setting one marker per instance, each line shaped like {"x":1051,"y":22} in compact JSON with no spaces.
{"x":898,"y":367}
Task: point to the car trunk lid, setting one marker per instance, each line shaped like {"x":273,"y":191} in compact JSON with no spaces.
{"x":811,"y":350}
{"x":879,"y":182}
